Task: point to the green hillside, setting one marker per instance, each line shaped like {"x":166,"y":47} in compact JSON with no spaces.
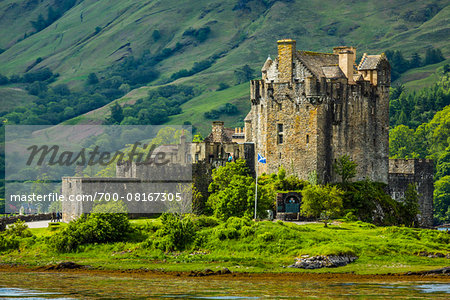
{"x":91,"y":36}
{"x":12,"y":97}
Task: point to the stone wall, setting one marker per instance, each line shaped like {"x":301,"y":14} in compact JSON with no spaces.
{"x":420,"y":172}
{"x":25,"y":218}
{"x":126,"y":190}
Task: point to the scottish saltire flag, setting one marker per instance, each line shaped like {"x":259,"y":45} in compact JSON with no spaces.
{"x":261,"y":159}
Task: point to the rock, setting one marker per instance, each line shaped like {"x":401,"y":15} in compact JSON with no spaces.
{"x":323,"y":261}
{"x":68,"y":265}
{"x":443,"y":271}
{"x":225,"y":271}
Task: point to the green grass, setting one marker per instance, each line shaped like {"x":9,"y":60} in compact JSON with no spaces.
{"x":419,"y":78}
{"x":12,"y":97}
{"x":259,"y":247}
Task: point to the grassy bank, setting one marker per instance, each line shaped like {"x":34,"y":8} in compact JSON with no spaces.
{"x":246,"y":246}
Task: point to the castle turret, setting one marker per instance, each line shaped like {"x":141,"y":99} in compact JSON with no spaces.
{"x":286,"y":50}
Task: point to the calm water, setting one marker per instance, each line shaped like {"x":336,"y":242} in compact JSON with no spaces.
{"x":83,"y":286}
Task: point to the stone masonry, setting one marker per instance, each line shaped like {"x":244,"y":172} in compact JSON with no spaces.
{"x":414,"y":171}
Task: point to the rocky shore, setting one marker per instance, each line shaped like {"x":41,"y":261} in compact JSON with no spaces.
{"x":322,"y":261}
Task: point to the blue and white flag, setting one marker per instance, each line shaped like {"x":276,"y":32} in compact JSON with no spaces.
{"x":261,"y":159}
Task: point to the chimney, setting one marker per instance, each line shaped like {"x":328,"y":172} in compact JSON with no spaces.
{"x":218,"y":131}
{"x":286,"y":50}
{"x":347,"y":57}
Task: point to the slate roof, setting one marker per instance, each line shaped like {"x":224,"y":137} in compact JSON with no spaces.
{"x":333,"y":72}
{"x":315,"y":61}
{"x":369,"y":62}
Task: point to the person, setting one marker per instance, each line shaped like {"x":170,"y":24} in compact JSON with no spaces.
{"x":53,"y":217}
{"x":58,"y":216}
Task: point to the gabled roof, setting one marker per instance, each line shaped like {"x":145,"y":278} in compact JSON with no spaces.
{"x":333,"y":72}
{"x":369,"y":62}
{"x":315,"y":61}
{"x":267,"y":64}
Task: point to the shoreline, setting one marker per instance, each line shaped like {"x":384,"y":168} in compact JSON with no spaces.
{"x":303,"y":276}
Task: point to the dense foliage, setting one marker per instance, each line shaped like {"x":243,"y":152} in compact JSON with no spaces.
{"x":161,"y":103}
{"x":233,"y":192}
{"x":399,"y":64}
{"x":88,"y":229}
{"x":10,"y":238}
{"x":429,"y":140}
{"x":414,"y":108}
{"x":322,"y":201}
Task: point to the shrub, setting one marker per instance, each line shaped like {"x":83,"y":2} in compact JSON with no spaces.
{"x":222,"y":86}
{"x":10,"y":238}
{"x":95,"y":228}
{"x":206,"y":221}
{"x":18,"y":229}
{"x":8,"y":243}
{"x":175,"y":233}
{"x":266,"y":236}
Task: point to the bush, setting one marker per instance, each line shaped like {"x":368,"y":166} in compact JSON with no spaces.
{"x":94,"y":228}
{"x":10,"y":239}
{"x":8,"y":243}
{"x":175,"y":234}
{"x":222,"y":86}
{"x":18,"y":229}
{"x":206,"y":221}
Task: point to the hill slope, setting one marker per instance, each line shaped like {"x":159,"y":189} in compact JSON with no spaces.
{"x":90,"y":35}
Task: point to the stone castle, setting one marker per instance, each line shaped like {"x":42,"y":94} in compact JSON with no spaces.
{"x":309,"y":109}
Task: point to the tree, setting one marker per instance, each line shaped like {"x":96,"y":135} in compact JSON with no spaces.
{"x":401,"y":140}
{"x":322,"y":201}
{"x":442,"y":200}
{"x":156,"y":35}
{"x":243,"y":74}
{"x":433,"y":56}
{"x":233,"y":192}
{"x":345,"y":167}
{"x":416,"y":60}
{"x":3,"y":79}
{"x":410,"y":205}
{"x":197,"y":138}
{"x":92,"y":79}
{"x":116,"y":116}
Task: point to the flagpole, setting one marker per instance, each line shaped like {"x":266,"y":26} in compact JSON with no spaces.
{"x":256,"y":189}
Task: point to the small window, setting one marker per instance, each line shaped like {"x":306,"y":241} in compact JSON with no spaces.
{"x":280,"y":106}
{"x":280,"y":155}
{"x":307,"y":138}
{"x":196,"y":157}
{"x":280,"y":133}
{"x":280,"y":128}
{"x":280,"y":139}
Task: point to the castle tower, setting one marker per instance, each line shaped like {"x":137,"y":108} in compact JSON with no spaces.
{"x":310,"y":108}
